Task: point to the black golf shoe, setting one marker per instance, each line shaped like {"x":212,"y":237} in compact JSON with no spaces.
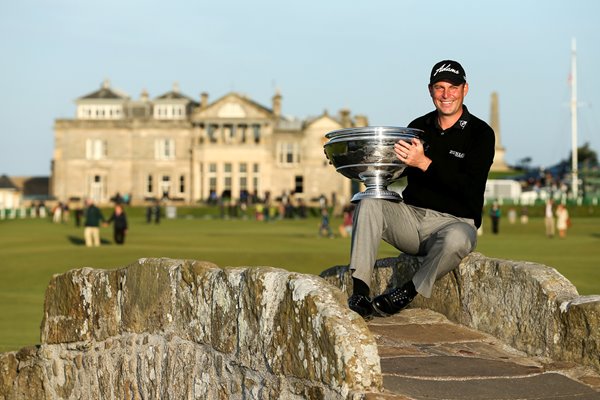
{"x":395,"y":300}
{"x":361,"y":305}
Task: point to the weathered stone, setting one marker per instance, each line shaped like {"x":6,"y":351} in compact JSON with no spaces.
{"x":174,"y":329}
{"x":529,"y":306}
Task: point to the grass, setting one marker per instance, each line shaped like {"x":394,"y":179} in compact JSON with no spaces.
{"x":32,"y":250}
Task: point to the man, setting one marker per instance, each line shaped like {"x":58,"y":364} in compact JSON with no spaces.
{"x":443,"y":199}
{"x":93,"y":218}
{"x":549,"y":218}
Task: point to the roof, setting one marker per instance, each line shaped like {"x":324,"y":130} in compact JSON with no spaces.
{"x":174,"y":94}
{"x":6,"y":183}
{"x":244,"y":98}
{"x":289,"y":124}
{"x":105,"y":92}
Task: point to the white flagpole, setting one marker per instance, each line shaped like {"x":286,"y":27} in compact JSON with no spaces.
{"x":574,"y":161}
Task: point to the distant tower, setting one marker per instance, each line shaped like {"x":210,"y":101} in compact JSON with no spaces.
{"x":499,"y":164}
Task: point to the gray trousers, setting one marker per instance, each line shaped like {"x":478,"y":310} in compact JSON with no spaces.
{"x":440,"y":240}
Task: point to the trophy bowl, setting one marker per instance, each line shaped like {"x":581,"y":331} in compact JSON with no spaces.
{"x":367,"y":155}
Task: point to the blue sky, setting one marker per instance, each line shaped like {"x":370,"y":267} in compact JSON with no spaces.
{"x":371,"y":57}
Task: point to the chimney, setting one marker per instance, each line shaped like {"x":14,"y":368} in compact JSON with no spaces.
{"x":203,"y":100}
{"x":361,"y":120}
{"x":277,"y":103}
{"x":345,"y":117}
{"x":144,"y":95}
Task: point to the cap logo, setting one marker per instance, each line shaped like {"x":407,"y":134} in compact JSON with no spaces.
{"x":446,"y":68}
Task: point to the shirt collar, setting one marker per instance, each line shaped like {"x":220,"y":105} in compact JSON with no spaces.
{"x":460,"y":124}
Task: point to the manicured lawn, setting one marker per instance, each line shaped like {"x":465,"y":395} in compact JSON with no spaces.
{"x":32,"y":250}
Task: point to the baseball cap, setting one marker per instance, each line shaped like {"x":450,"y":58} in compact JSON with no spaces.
{"x":449,"y":71}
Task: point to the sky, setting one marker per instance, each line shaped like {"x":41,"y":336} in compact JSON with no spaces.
{"x":372,"y":57}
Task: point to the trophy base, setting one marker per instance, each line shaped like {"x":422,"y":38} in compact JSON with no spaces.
{"x":377,"y":194}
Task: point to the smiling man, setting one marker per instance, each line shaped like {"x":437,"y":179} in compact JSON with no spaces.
{"x":443,"y":199}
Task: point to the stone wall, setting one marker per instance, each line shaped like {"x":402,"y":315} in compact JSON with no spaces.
{"x":529,"y":306}
{"x":173,"y":329}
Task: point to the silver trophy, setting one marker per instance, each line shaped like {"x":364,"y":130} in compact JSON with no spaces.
{"x":367,"y":155}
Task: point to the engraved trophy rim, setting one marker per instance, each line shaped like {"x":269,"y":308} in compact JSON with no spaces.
{"x":361,"y":155}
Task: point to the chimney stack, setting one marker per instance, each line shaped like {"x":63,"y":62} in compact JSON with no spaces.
{"x":277,"y":103}
{"x":345,"y":117}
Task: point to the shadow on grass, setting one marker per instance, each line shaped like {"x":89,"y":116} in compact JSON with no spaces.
{"x":78,"y":241}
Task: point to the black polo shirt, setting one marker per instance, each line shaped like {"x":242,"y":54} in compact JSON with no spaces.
{"x":461,"y":157}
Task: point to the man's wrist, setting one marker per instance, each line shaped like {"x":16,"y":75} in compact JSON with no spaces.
{"x":423,"y":166}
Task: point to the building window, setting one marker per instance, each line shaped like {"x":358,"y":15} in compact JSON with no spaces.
{"x":96,"y":149}
{"x":149,"y":184}
{"x":165,"y":186}
{"x":97,"y":188}
{"x":212,"y":178}
{"x":212,"y":133}
{"x":164,"y":149}
{"x":228,"y":133}
{"x":299,"y":184}
{"x":255,"y":184}
{"x":256,"y":133}
{"x":256,"y":177}
{"x":99,"y":111}
{"x":169,"y":111}
{"x":227,"y":168}
{"x":242,"y":129}
{"x":243,"y":177}
{"x":288,"y":153}
{"x":181,"y":184}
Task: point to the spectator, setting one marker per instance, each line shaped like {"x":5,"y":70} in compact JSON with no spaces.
{"x":562,"y":220}
{"x":347,"y":216}
{"x":93,"y":218}
{"x":119,"y":220}
{"x":549,"y":218}
{"x":495,"y":217}
{"x":324,"y":228}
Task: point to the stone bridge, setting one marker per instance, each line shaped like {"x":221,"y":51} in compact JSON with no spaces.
{"x":183,"y":329}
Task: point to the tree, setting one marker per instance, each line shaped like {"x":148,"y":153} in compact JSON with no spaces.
{"x":585,"y":156}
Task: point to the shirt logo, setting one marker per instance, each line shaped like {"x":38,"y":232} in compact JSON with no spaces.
{"x":457,"y":154}
{"x":462,"y":123}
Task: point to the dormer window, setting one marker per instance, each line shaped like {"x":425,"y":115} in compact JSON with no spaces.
{"x":99,"y":111}
{"x":105,"y":103}
{"x":169,"y":111}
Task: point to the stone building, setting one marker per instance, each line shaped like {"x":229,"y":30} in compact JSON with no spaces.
{"x":10,"y":195}
{"x":181,"y":150}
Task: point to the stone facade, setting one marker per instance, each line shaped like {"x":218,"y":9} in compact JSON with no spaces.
{"x":173,"y":329}
{"x":175,"y":148}
{"x":529,"y":306}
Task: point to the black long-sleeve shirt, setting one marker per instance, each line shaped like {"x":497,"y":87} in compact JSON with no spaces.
{"x":120,"y":221}
{"x":461,"y":157}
